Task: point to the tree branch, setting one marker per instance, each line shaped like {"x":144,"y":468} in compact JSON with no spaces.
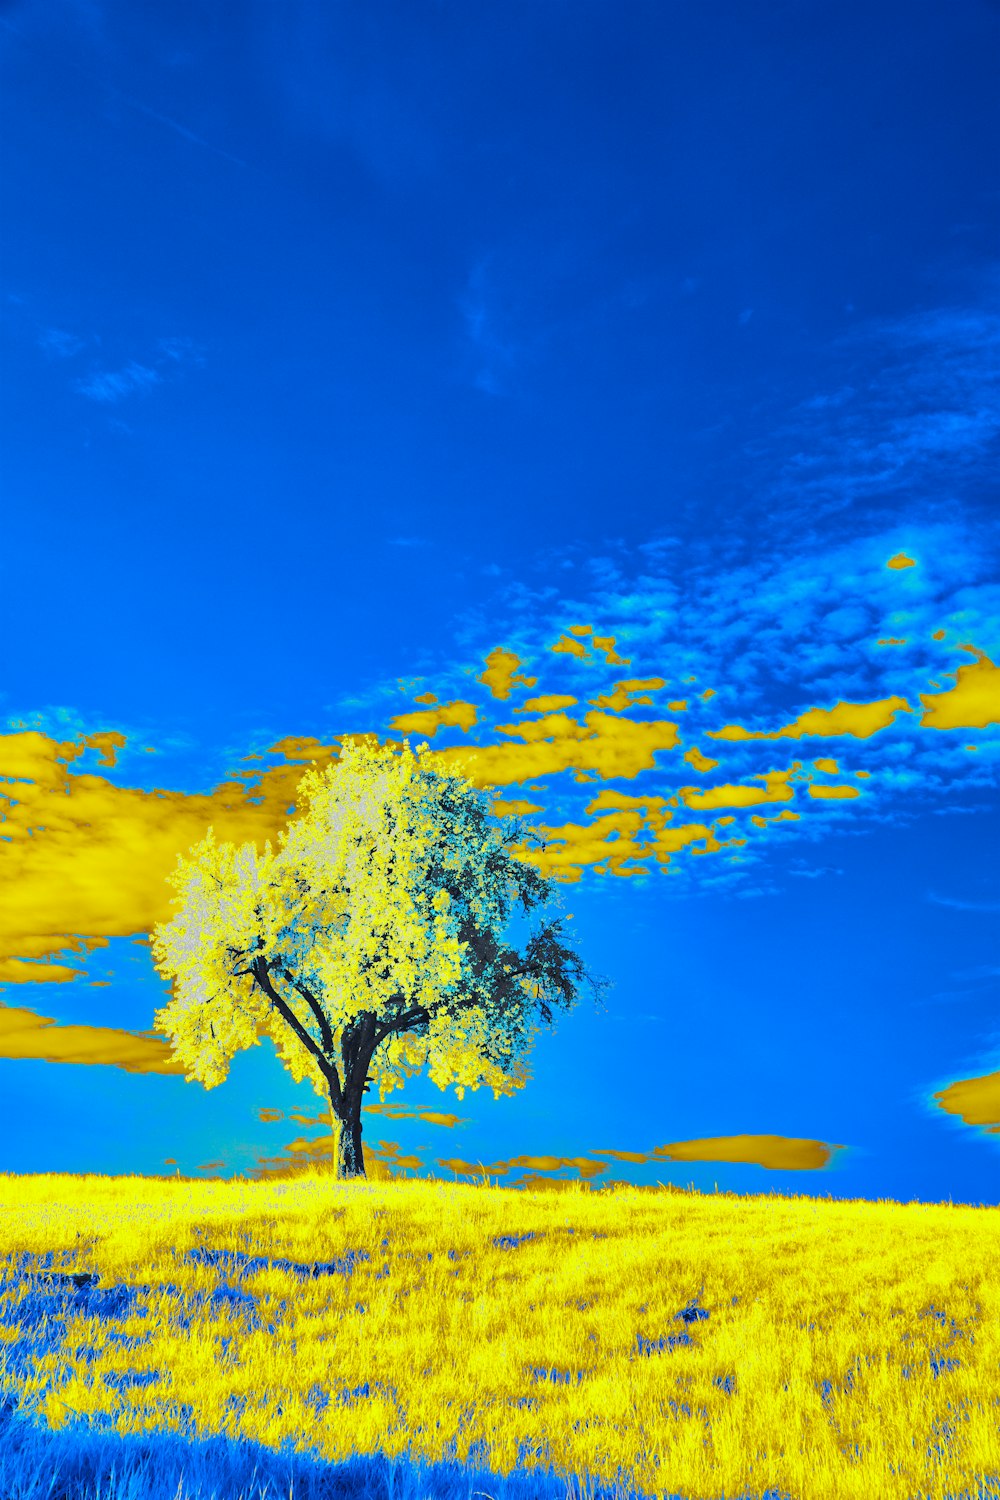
{"x":360,"y":1049}
{"x":325,"y":1029}
{"x":401,"y":1022}
{"x":328,"y":1068}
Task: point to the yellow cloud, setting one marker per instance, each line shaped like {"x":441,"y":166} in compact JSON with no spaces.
{"x":415,"y":1112}
{"x":611,"y":838}
{"x":700,"y":762}
{"x":605,"y":643}
{"x":858,"y":719}
{"x":779,"y":1153}
{"x":818,"y":790}
{"x":901,"y":561}
{"x":759,"y":822}
{"x":24,"y":1034}
{"x":501,"y":672}
{"x":974,"y":701}
{"x":81,"y":855}
{"x":570,"y":648}
{"x":772,"y":1152}
{"x":547,"y":703}
{"x":975,"y":1100}
{"x":829,"y":767}
{"x":776,"y":789}
{"x":610,"y":746}
{"x":458,"y":715}
{"x":624,"y":695}
{"x":502,"y":809}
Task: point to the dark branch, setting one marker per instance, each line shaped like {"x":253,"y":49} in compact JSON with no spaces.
{"x":325,"y":1030}
{"x":358,"y":1046}
{"x":328,"y":1068}
{"x":402,"y":1022}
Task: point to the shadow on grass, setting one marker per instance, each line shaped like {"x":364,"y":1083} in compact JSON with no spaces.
{"x":88,"y":1460}
{"x":81,"y":1462}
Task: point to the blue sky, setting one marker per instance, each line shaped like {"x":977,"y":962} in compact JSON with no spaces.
{"x":605,"y":388}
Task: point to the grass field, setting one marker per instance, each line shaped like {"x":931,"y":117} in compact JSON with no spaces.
{"x":307,"y":1338}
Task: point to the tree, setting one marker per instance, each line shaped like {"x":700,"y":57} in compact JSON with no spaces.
{"x":367,"y":943}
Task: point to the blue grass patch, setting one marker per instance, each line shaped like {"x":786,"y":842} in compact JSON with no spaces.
{"x":80,"y":1462}
{"x":88,"y":1460}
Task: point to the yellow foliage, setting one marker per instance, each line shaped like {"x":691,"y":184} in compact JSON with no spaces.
{"x":364,"y":916}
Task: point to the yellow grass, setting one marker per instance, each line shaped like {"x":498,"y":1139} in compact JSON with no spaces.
{"x":450,"y":1331}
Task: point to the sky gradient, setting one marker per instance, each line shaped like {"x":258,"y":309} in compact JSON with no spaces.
{"x":610,"y":391}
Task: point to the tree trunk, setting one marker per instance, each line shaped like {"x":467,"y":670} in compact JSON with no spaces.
{"x":350,"y":1158}
{"x":357,"y":1047}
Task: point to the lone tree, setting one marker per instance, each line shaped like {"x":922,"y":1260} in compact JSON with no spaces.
{"x":368,"y":942}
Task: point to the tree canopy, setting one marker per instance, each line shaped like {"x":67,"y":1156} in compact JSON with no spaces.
{"x":369,"y":942}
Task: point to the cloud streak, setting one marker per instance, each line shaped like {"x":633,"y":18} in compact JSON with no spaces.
{"x":111,"y":386}
{"x":918,"y":401}
{"x":167,"y":121}
{"x":58,"y":344}
{"x":182,"y":130}
{"x":495,"y":356}
{"x":961,"y":903}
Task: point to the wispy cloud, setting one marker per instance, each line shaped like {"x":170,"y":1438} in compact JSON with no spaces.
{"x":921,"y":399}
{"x":494,"y":354}
{"x":58,"y":344}
{"x":826,"y":402}
{"x":976,"y":982}
{"x":180,"y":351}
{"x":960,"y":903}
{"x":182,"y":130}
{"x":91,"y":15}
{"x":811,"y":872}
{"x":109,"y":386}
